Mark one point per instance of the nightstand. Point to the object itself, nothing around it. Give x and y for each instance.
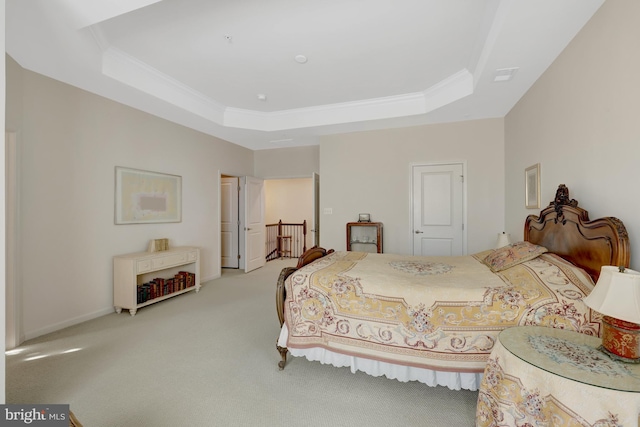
(546, 376)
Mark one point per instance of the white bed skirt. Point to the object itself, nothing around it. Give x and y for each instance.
(453, 380)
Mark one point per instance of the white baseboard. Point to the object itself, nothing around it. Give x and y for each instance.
(70, 322)
(65, 324)
(206, 279)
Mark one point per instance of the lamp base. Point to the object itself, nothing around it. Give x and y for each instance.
(621, 339)
(616, 357)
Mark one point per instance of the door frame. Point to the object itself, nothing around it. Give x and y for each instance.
(315, 227)
(464, 198)
(14, 335)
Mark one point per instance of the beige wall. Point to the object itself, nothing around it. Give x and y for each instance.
(581, 122)
(289, 184)
(69, 144)
(289, 200)
(370, 172)
(294, 162)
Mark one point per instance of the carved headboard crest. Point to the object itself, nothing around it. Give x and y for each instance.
(566, 230)
(619, 226)
(562, 199)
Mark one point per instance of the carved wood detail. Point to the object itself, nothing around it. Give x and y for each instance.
(566, 230)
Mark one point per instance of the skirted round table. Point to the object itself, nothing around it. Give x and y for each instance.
(538, 376)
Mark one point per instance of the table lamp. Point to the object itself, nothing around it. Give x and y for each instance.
(617, 297)
(503, 240)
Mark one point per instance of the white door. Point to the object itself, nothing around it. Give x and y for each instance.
(438, 227)
(229, 222)
(254, 224)
(315, 227)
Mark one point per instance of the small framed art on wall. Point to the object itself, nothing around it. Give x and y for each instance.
(532, 186)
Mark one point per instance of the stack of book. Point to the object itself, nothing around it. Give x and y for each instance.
(160, 287)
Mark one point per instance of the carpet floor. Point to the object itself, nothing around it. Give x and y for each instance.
(209, 359)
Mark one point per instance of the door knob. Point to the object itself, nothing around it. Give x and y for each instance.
(419, 232)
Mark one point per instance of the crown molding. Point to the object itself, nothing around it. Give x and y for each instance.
(130, 71)
(139, 75)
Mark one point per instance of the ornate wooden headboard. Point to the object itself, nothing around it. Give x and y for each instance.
(565, 229)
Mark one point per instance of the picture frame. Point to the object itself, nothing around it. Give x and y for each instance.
(532, 186)
(147, 197)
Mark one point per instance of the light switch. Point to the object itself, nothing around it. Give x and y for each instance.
(328, 211)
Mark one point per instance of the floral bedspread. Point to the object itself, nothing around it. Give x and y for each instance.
(440, 313)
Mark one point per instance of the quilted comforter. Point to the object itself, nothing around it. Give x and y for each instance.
(440, 313)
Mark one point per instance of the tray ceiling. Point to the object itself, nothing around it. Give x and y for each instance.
(269, 74)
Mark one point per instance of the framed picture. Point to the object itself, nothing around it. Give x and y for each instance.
(532, 186)
(147, 197)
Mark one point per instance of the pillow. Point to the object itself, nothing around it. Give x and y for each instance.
(480, 256)
(513, 254)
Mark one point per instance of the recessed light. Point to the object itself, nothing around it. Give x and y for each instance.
(504, 74)
(301, 59)
(262, 97)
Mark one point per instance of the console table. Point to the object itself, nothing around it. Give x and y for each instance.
(545, 376)
(130, 271)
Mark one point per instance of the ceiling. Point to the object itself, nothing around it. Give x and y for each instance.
(236, 69)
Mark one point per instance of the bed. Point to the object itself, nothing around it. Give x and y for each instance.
(436, 319)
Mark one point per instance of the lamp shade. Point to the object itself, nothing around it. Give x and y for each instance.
(617, 294)
(503, 240)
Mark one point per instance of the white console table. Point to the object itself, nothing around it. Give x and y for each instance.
(133, 270)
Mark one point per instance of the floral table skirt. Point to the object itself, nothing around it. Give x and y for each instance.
(516, 393)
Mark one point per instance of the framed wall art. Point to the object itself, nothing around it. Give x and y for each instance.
(532, 186)
(147, 197)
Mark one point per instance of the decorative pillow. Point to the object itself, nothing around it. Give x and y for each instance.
(512, 254)
(480, 256)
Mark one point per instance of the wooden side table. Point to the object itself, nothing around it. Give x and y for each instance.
(364, 237)
(545, 376)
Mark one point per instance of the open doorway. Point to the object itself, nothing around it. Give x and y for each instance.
(289, 202)
(287, 199)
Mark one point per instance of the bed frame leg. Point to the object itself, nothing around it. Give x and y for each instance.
(281, 295)
(283, 354)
